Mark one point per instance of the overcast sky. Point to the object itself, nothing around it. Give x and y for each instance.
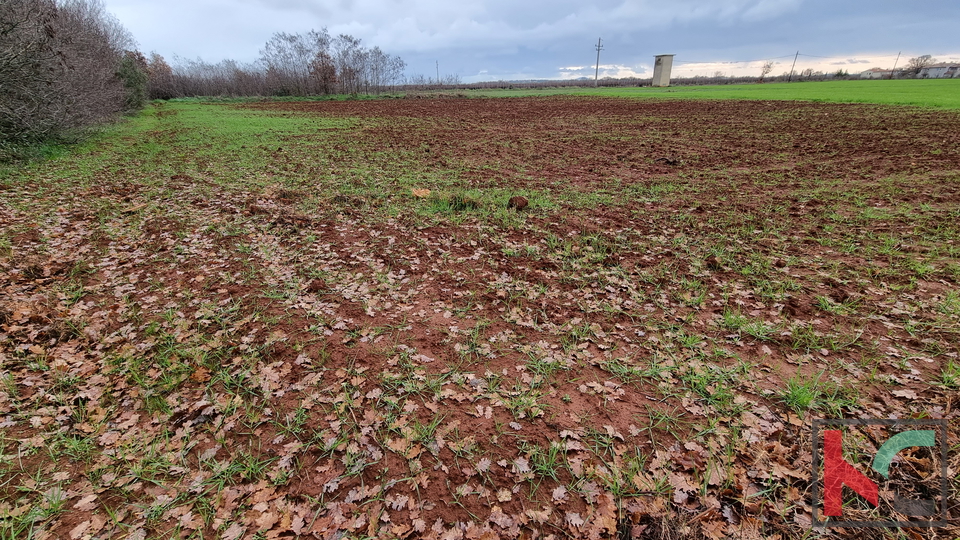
(511, 39)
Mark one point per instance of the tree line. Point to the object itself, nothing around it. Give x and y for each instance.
(64, 65)
(312, 63)
(67, 65)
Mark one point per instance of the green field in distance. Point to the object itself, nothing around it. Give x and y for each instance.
(933, 93)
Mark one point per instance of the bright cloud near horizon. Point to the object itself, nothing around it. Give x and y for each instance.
(508, 40)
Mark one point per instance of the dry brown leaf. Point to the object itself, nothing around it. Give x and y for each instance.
(267, 520)
(540, 516)
(233, 532)
(714, 529)
(573, 519)
(497, 517)
(81, 528)
(397, 445)
(605, 518)
(201, 374)
(87, 503)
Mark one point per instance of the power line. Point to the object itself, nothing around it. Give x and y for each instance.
(731, 63)
(795, 55)
(735, 61)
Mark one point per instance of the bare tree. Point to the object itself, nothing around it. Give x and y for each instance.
(382, 70)
(289, 64)
(324, 72)
(419, 81)
(914, 65)
(766, 69)
(349, 58)
(288, 58)
(397, 67)
(160, 80)
(225, 78)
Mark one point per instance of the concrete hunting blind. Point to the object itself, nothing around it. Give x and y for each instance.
(661, 69)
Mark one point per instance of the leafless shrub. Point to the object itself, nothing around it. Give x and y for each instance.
(59, 68)
(28, 77)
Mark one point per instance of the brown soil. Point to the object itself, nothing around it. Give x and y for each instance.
(587, 141)
(349, 301)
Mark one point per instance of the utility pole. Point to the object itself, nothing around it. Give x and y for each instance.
(438, 73)
(789, 79)
(596, 76)
(894, 70)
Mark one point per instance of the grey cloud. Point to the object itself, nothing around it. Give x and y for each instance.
(503, 38)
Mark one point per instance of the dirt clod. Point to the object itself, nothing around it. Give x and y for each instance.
(518, 202)
(667, 160)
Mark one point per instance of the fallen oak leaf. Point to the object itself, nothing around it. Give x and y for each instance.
(397, 445)
(401, 531)
(573, 519)
(78, 531)
(267, 520)
(540, 516)
(87, 503)
(714, 529)
(233, 532)
(605, 518)
(500, 519)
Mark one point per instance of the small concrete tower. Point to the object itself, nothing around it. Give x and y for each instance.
(661, 69)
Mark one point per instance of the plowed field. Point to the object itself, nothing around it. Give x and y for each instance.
(320, 319)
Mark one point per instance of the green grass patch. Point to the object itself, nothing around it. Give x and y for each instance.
(932, 93)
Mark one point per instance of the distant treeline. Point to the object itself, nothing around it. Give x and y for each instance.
(628, 81)
(64, 65)
(289, 65)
